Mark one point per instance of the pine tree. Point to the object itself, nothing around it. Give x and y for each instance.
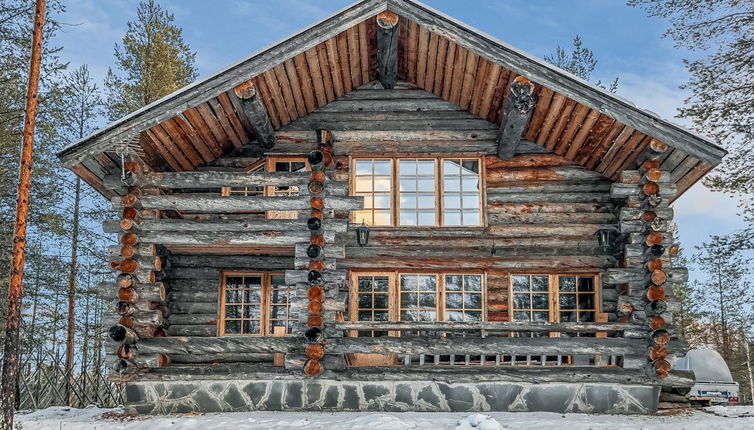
(153, 60)
(580, 61)
(80, 110)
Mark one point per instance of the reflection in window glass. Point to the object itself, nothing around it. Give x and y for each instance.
(461, 192)
(463, 298)
(372, 301)
(280, 304)
(417, 192)
(418, 298)
(531, 298)
(372, 180)
(243, 305)
(576, 298)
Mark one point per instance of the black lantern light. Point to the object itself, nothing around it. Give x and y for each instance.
(362, 235)
(608, 237)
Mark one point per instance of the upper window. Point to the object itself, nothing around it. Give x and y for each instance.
(418, 191)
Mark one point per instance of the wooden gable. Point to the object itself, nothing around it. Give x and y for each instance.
(327, 61)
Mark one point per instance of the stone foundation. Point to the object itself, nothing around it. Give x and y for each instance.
(168, 397)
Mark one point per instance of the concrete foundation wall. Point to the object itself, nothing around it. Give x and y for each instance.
(429, 396)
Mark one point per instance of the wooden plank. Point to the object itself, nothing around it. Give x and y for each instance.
(268, 100)
(191, 138)
(233, 117)
(574, 123)
(479, 83)
(276, 96)
(469, 76)
(560, 124)
(429, 80)
(214, 179)
(450, 56)
(554, 110)
(412, 51)
(214, 126)
(690, 178)
(602, 147)
(335, 67)
(595, 126)
(170, 147)
(490, 87)
(315, 74)
(219, 113)
(363, 52)
(459, 66)
(166, 224)
(421, 57)
(291, 73)
(450, 326)
(288, 99)
(354, 59)
(235, 102)
(345, 66)
(325, 69)
(197, 123)
(442, 52)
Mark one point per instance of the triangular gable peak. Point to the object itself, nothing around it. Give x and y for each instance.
(572, 118)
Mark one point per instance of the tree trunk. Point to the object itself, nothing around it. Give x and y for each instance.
(72, 292)
(18, 254)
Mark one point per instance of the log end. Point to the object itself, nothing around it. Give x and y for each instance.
(387, 19)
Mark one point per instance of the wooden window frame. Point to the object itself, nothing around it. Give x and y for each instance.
(554, 293)
(394, 292)
(439, 191)
(265, 303)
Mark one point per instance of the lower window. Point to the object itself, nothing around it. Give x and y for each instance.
(255, 304)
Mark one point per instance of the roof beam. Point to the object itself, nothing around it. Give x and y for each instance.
(558, 80)
(517, 114)
(256, 113)
(387, 48)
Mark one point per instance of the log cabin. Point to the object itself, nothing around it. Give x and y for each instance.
(390, 210)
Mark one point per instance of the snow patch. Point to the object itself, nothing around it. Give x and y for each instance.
(479, 422)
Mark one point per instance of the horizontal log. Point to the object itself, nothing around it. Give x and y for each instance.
(447, 326)
(622, 191)
(561, 263)
(156, 292)
(402, 345)
(189, 225)
(211, 203)
(231, 238)
(584, 197)
(293, 277)
(210, 179)
(629, 214)
(221, 358)
(456, 374)
(193, 308)
(208, 262)
(192, 330)
(193, 319)
(635, 177)
(625, 275)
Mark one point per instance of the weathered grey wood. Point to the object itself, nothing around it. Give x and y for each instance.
(213, 203)
(520, 104)
(293, 277)
(215, 263)
(230, 238)
(457, 374)
(221, 358)
(622, 191)
(210, 179)
(627, 214)
(387, 50)
(446, 326)
(191, 330)
(256, 113)
(126, 128)
(189, 225)
(402, 345)
(153, 292)
(626, 275)
(193, 307)
(550, 76)
(193, 319)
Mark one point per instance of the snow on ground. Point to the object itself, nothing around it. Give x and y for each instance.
(60, 418)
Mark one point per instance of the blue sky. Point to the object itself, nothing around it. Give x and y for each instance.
(627, 44)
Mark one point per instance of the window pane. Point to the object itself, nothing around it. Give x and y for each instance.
(408, 201)
(427, 300)
(427, 283)
(425, 167)
(522, 301)
(567, 301)
(453, 316)
(452, 183)
(470, 166)
(453, 218)
(471, 217)
(470, 183)
(454, 300)
(586, 301)
(540, 301)
(232, 311)
(407, 167)
(568, 316)
(365, 283)
(453, 282)
(539, 283)
(232, 296)
(408, 282)
(381, 283)
(427, 315)
(408, 183)
(382, 167)
(473, 282)
(252, 312)
(233, 327)
(426, 217)
(365, 300)
(567, 283)
(473, 316)
(365, 315)
(251, 327)
(452, 201)
(586, 284)
(253, 296)
(426, 185)
(426, 201)
(451, 167)
(381, 201)
(278, 312)
(521, 316)
(473, 301)
(380, 301)
(586, 316)
(381, 183)
(540, 316)
(409, 300)
(381, 218)
(409, 316)
(363, 184)
(363, 167)
(520, 283)
(470, 200)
